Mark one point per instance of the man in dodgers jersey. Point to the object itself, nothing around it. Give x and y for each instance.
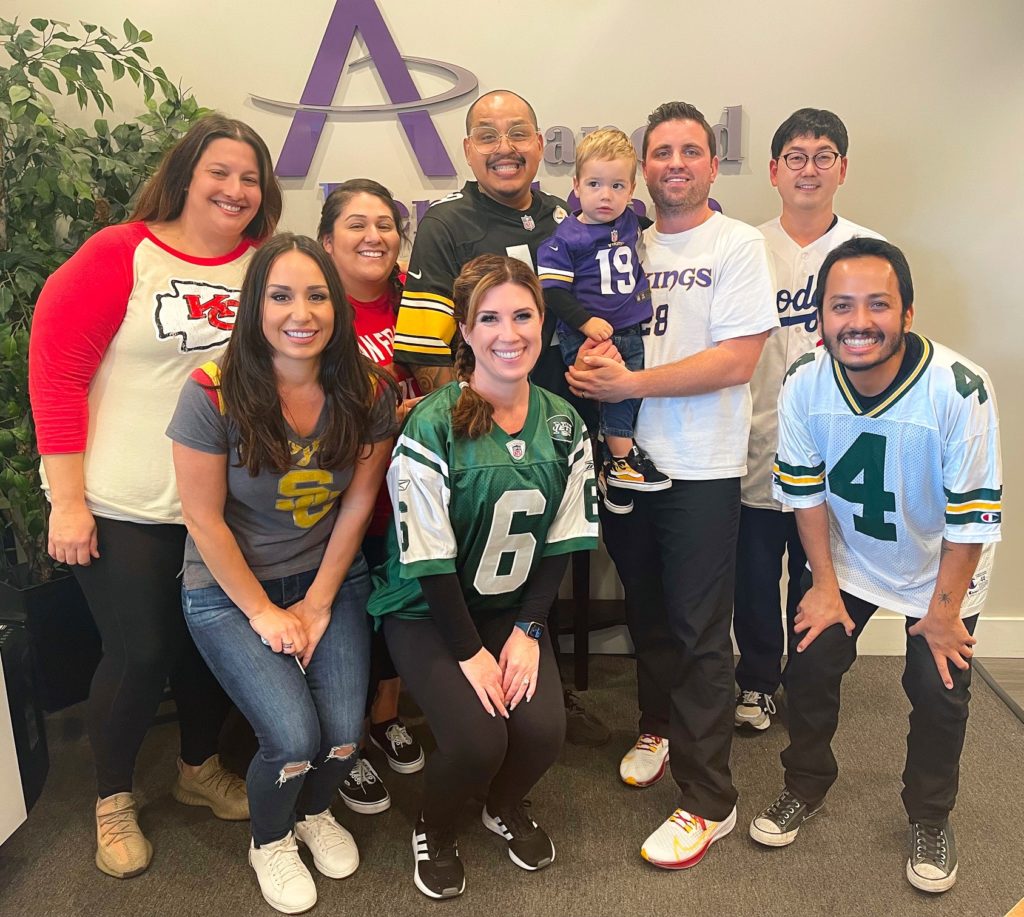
(889, 453)
(807, 167)
(712, 299)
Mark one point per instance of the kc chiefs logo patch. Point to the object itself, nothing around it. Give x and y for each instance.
(201, 314)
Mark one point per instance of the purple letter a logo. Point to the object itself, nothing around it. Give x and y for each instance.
(311, 113)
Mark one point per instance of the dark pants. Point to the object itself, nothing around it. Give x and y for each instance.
(135, 598)
(381, 666)
(938, 718)
(765, 535)
(477, 755)
(675, 554)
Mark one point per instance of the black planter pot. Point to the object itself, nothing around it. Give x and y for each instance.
(64, 638)
(27, 723)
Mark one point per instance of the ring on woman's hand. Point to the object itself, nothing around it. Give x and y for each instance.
(287, 646)
(526, 680)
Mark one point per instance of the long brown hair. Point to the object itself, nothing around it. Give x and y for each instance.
(163, 197)
(472, 416)
(336, 202)
(351, 383)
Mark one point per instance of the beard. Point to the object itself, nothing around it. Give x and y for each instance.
(892, 345)
(694, 196)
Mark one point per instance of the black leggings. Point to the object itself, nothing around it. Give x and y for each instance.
(477, 754)
(134, 595)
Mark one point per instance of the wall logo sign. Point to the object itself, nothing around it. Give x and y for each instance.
(311, 112)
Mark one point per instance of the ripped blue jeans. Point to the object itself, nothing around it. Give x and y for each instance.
(307, 725)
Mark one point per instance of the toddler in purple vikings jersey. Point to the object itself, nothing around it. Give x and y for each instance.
(593, 282)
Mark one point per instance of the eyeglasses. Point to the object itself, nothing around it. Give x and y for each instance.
(823, 160)
(487, 140)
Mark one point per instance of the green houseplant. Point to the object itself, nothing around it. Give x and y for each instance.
(59, 183)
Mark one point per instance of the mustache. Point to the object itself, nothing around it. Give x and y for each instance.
(506, 157)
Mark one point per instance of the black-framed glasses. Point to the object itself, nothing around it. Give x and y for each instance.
(487, 140)
(823, 160)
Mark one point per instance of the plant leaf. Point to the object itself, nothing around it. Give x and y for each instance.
(49, 79)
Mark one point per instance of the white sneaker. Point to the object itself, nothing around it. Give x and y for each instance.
(684, 838)
(334, 850)
(645, 762)
(284, 880)
(754, 709)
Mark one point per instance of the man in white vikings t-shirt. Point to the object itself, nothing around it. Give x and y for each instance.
(713, 308)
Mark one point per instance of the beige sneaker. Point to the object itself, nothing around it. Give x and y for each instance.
(213, 786)
(122, 851)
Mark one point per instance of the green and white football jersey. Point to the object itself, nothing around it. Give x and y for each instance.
(899, 475)
(487, 509)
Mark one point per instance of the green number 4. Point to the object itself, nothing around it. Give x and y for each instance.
(967, 382)
(866, 459)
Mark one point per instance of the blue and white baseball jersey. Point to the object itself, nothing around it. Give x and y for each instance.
(900, 473)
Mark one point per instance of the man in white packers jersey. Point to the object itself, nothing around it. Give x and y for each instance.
(807, 167)
(889, 453)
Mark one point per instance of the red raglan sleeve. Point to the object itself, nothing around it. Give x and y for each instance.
(78, 313)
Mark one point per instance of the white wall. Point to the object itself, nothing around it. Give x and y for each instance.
(932, 92)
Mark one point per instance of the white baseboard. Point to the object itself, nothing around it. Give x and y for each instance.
(884, 636)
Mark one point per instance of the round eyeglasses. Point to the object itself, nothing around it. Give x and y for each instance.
(487, 140)
(823, 160)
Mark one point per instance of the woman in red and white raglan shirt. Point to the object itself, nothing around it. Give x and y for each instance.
(117, 330)
(361, 229)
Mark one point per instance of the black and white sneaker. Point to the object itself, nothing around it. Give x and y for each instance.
(778, 825)
(528, 845)
(933, 862)
(363, 791)
(403, 752)
(615, 499)
(754, 709)
(438, 872)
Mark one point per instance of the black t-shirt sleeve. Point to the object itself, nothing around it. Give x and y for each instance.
(450, 613)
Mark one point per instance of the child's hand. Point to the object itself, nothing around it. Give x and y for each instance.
(597, 329)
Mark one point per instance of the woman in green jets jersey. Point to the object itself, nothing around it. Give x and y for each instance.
(493, 485)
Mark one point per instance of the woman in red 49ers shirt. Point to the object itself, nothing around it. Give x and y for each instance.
(361, 229)
(117, 330)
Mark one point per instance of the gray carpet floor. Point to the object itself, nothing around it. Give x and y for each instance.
(847, 861)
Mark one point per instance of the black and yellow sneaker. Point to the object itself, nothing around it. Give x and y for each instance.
(635, 471)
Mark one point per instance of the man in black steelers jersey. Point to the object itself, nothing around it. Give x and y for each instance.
(498, 213)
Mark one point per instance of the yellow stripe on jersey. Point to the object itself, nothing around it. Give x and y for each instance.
(853, 399)
(427, 300)
(425, 324)
(978, 506)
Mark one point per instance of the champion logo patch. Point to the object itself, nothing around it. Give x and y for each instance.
(991, 517)
(517, 449)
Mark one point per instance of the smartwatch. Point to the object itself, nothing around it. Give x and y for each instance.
(531, 628)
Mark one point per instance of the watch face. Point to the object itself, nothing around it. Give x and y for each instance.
(535, 630)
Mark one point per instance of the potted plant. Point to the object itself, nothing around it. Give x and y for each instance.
(59, 183)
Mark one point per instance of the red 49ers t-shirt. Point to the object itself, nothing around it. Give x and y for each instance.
(375, 329)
